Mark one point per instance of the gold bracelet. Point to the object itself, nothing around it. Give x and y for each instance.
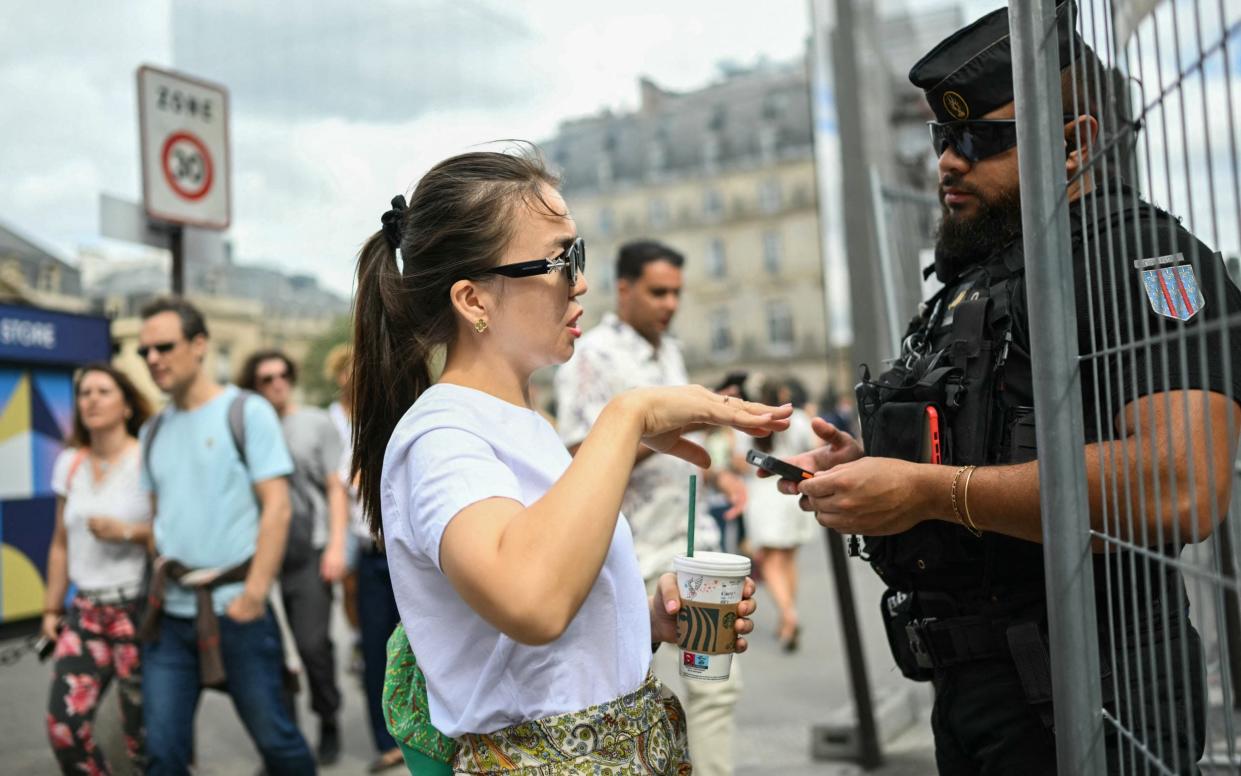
(965, 502)
(956, 509)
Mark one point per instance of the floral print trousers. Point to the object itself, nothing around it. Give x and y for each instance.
(639, 734)
(97, 644)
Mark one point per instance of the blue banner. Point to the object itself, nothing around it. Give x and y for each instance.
(31, 335)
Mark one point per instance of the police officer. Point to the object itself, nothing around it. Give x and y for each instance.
(954, 529)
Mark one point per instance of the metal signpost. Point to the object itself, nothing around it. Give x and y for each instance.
(185, 157)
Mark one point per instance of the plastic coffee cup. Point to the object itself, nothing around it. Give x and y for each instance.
(710, 584)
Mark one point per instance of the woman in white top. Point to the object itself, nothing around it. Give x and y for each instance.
(513, 570)
(103, 524)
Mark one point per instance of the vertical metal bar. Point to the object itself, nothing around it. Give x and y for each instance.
(887, 275)
(866, 296)
(176, 244)
(1168, 335)
(869, 754)
(1057, 390)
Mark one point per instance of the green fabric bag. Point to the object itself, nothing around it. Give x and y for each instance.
(427, 751)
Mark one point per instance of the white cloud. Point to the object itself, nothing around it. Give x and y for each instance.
(310, 180)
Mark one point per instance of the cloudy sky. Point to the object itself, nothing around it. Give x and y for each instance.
(336, 105)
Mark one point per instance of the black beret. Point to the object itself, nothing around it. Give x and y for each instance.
(970, 73)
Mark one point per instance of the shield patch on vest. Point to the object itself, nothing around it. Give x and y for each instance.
(1171, 286)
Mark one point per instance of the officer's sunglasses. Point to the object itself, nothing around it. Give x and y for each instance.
(163, 348)
(976, 139)
(572, 261)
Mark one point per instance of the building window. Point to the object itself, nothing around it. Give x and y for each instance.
(657, 213)
(771, 252)
(713, 204)
(717, 265)
(721, 334)
(779, 327)
(769, 196)
(607, 221)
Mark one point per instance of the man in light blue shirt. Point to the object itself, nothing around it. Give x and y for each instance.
(214, 510)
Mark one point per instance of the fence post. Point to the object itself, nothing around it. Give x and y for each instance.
(1057, 389)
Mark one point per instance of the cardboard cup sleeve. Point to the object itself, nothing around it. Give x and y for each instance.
(707, 629)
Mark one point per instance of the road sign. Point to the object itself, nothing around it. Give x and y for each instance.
(185, 155)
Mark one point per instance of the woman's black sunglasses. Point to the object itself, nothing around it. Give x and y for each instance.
(572, 261)
(977, 139)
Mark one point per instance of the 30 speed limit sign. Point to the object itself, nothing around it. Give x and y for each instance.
(184, 127)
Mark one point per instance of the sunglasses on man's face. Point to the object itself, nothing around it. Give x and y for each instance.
(572, 261)
(163, 348)
(269, 379)
(976, 139)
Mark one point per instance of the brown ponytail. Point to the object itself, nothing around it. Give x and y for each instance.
(457, 224)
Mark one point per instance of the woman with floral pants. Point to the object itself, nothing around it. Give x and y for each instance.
(98, 644)
(103, 524)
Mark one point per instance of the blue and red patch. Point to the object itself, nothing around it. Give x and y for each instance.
(1171, 286)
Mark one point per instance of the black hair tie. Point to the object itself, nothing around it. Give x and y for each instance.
(392, 222)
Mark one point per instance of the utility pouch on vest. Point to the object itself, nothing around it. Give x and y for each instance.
(897, 430)
(897, 612)
(1023, 445)
(970, 351)
(1033, 661)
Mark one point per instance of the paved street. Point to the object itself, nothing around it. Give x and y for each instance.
(785, 696)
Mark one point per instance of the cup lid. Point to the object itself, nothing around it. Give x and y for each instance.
(716, 564)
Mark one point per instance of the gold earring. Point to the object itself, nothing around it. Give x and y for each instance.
(480, 326)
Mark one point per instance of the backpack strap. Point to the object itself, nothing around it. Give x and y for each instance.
(237, 423)
(149, 441)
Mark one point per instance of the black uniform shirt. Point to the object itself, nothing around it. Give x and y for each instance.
(1150, 301)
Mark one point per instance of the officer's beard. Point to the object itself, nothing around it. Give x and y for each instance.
(964, 241)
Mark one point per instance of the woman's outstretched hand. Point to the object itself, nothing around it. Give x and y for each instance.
(666, 603)
(667, 414)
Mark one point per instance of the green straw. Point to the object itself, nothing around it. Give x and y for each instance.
(693, 493)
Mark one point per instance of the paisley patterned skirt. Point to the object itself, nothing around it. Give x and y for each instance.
(639, 734)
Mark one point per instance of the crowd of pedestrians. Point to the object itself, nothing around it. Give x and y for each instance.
(178, 529)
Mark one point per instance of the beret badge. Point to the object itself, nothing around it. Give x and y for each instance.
(956, 106)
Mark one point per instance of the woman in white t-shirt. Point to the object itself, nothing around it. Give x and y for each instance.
(514, 572)
(103, 524)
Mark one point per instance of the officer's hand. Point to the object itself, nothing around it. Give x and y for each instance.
(869, 496)
(838, 448)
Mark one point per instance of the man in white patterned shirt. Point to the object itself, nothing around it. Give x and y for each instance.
(630, 349)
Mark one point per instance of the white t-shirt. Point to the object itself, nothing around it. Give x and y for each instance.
(455, 447)
(357, 518)
(95, 564)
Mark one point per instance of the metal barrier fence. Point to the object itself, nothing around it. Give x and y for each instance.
(905, 220)
(1138, 430)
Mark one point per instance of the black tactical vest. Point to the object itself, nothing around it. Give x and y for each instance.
(964, 357)
(968, 354)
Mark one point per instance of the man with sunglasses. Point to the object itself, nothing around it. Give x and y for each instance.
(954, 528)
(221, 517)
(630, 349)
(314, 555)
